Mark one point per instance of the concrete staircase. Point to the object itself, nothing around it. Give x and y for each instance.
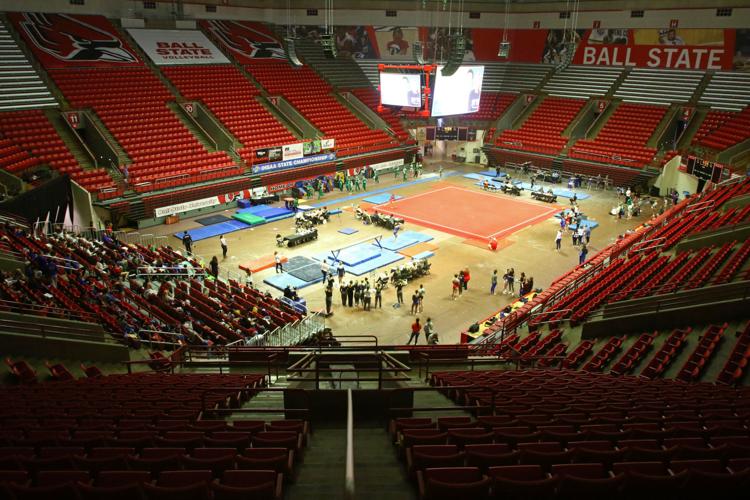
(341, 72)
(21, 87)
(73, 144)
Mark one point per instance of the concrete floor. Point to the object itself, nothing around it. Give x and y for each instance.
(530, 250)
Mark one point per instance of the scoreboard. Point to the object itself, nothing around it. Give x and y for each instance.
(705, 169)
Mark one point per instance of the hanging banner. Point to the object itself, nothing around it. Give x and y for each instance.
(175, 47)
(201, 203)
(327, 143)
(287, 164)
(387, 164)
(292, 151)
(246, 40)
(66, 40)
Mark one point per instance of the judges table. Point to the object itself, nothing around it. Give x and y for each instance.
(292, 240)
(549, 198)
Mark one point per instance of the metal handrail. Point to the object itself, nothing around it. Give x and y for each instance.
(475, 408)
(59, 312)
(254, 390)
(349, 493)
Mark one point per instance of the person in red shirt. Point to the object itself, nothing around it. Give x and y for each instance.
(415, 329)
(493, 244)
(467, 277)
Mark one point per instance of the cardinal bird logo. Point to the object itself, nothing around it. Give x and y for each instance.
(247, 41)
(70, 39)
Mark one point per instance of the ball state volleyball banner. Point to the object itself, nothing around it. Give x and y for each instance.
(176, 47)
(66, 40)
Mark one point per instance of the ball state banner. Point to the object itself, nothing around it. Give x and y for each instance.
(201, 203)
(175, 47)
(246, 40)
(667, 48)
(67, 40)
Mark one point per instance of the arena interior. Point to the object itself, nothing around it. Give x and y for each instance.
(427, 249)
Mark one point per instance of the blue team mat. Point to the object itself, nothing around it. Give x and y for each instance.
(394, 244)
(357, 254)
(416, 235)
(491, 173)
(381, 198)
(272, 212)
(253, 209)
(476, 177)
(585, 223)
(212, 219)
(243, 203)
(309, 274)
(385, 258)
(423, 255)
(348, 230)
(206, 232)
(335, 211)
(280, 281)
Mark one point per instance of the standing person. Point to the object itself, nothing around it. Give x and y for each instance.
(456, 287)
(492, 244)
(340, 272)
(248, 277)
(379, 295)
(324, 269)
(187, 240)
(350, 293)
(511, 281)
(224, 247)
(581, 232)
(366, 297)
(415, 329)
(493, 282)
(558, 239)
(588, 234)
(467, 277)
(277, 262)
(421, 293)
(396, 227)
(400, 292)
(214, 267)
(428, 329)
(582, 255)
(344, 290)
(329, 299)
(357, 293)
(415, 302)
(521, 284)
(574, 236)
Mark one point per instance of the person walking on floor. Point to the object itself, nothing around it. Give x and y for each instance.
(277, 262)
(467, 277)
(456, 287)
(511, 281)
(415, 329)
(366, 297)
(324, 269)
(415, 302)
(350, 293)
(429, 330)
(558, 239)
(344, 290)
(187, 240)
(493, 282)
(379, 296)
(421, 293)
(400, 292)
(582, 255)
(340, 272)
(329, 300)
(460, 282)
(214, 267)
(224, 247)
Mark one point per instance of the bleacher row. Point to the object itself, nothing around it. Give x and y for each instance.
(572, 434)
(216, 310)
(142, 434)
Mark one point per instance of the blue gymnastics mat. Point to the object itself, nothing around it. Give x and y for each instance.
(356, 254)
(280, 281)
(348, 230)
(386, 257)
(381, 198)
(212, 219)
(253, 209)
(476, 177)
(272, 212)
(335, 211)
(491, 173)
(585, 222)
(423, 255)
(298, 262)
(405, 239)
(206, 232)
(309, 274)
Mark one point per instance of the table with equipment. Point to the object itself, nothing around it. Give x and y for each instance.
(292, 240)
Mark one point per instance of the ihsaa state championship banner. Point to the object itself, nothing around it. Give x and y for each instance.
(173, 47)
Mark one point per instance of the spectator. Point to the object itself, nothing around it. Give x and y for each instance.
(415, 329)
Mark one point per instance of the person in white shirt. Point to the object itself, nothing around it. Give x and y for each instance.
(224, 247)
(324, 270)
(558, 239)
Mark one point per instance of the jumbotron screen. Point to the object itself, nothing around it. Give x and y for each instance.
(459, 93)
(401, 89)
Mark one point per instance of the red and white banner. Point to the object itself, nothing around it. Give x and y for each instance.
(175, 47)
(292, 151)
(66, 40)
(201, 203)
(246, 40)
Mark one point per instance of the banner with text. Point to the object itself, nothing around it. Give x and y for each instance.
(299, 162)
(175, 47)
(201, 203)
(292, 151)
